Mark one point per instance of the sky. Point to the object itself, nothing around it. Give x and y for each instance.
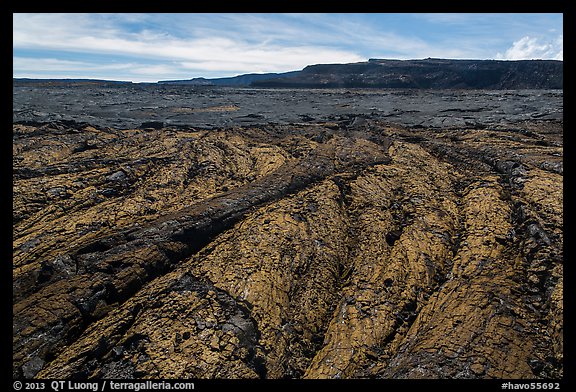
(153, 47)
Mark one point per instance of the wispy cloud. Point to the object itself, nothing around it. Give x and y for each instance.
(37, 67)
(210, 52)
(51, 64)
(92, 34)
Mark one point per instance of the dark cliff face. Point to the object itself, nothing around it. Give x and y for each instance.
(428, 74)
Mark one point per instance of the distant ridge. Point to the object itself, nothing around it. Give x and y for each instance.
(430, 73)
(66, 81)
(240, 80)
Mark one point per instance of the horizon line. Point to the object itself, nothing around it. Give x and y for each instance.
(371, 59)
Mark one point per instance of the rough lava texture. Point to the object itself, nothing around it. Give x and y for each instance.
(327, 250)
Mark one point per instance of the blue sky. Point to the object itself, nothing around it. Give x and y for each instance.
(152, 47)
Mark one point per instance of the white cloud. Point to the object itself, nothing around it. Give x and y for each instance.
(529, 48)
(269, 59)
(154, 70)
(34, 64)
(34, 67)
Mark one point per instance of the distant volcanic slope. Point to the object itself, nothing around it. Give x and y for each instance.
(433, 74)
(240, 80)
(427, 74)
